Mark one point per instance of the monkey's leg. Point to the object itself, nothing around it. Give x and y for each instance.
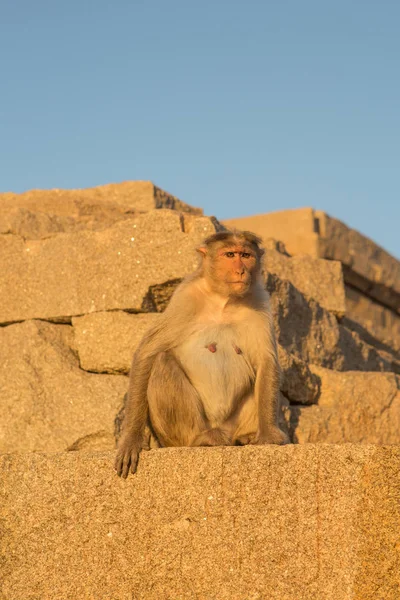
(268, 404)
(175, 408)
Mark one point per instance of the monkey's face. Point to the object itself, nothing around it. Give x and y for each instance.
(235, 269)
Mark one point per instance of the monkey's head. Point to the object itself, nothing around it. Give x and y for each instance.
(231, 261)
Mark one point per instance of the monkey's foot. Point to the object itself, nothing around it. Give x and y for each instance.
(212, 437)
(244, 440)
(273, 435)
(212, 347)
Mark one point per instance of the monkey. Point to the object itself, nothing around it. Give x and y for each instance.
(207, 374)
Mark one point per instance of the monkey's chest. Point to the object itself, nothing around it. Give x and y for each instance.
(217, 363)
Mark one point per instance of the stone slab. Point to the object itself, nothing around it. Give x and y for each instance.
(251, 523)
(313, 334)
(106, 341)
(318, 279)
(296, 228)
(47, 401)
(75, 274)
(37, 213)
(369, 267)
(353, 407)
(381, 322)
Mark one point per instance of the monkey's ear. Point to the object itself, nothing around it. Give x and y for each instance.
(202, 250)
(261, 252)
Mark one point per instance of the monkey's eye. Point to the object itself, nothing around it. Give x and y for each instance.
(230, 254)
(246, 254)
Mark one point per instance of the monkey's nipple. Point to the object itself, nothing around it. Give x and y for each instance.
(237, 349)
(212, 347)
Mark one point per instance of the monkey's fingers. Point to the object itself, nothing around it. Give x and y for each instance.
(122, 464)
(118, 464)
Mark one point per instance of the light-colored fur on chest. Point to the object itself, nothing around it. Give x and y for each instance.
(222, 378)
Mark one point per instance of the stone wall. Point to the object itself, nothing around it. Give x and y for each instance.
(84, 274)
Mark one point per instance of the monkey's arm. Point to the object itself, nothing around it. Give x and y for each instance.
(164, 336)
(136, 409)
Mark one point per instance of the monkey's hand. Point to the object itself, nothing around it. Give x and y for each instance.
(273, 435)
(127, 457)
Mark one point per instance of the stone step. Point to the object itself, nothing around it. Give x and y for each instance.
(316, 522)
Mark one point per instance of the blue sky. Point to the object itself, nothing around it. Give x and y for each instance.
(237, 107)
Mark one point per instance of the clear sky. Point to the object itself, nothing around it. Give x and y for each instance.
(240, 107)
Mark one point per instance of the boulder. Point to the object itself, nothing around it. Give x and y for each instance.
(353, 407)
(367, 266)
(381, 322)
(299, 384)
(47, 401)
(320, 280)
(311, 521)
(296, 228)
(313, 334)
(74, 274)
(39, 213)
(106, 341)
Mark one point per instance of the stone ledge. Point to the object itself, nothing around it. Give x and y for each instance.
(313, 521)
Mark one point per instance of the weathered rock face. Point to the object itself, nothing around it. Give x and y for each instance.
(75, 274)
(353, 407)
(47, 401)
(381, 322)
(297, 229)
(40, 213)
(106, 341)
(314, 335)
(369, 267)
(317, 279)
(314, 521)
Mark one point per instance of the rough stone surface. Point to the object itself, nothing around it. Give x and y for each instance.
(369, 267)
(106, 341)
(47, 402)
(353, 407)
(295, 228)
(38, 213)
(382, 323)
(321, 280)
(74, 274)
(299, 522)
(299, 384)
(314, 335)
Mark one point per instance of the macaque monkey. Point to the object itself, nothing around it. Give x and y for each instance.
(208, 374)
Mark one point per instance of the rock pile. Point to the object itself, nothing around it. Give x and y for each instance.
(85, 273)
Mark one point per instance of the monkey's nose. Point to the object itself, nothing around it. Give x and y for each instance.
(240, 270)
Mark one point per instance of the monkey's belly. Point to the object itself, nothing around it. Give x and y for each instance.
(219, 370)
